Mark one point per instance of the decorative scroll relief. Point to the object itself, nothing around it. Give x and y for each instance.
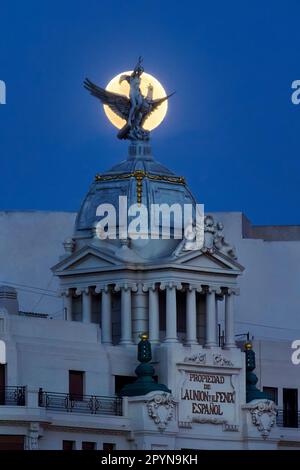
(196, 358)
(263, 415)
(161, 409)
(207, 398)
(222, 361)
(201, 358)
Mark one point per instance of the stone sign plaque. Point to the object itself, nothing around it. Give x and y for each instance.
(207, 397)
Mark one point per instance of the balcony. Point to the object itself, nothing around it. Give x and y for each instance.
(287, 419)
(12, 396)
(86, 404)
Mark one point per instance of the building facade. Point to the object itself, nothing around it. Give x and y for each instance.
(64, 369)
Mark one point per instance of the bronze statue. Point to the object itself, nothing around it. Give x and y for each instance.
(134, 109)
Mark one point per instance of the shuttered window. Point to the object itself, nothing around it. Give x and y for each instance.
(76, 384)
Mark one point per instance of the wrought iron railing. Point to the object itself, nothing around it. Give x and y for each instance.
(12, 396)
(288, 419)
(89, 404)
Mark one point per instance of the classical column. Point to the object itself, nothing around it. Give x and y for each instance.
(229, 320)
(211, 318)
(153, 315)
(86, 305)
(106, 320)
(217, 318)
(139, 312)
(126, 328)
(171, 314)
(67, 296)
(191, 322)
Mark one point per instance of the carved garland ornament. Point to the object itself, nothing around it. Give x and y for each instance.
(139, 175)
(161, 409)
(263, 416)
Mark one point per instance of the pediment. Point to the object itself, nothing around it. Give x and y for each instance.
(90, 261)
(85, 260)
(216, 261)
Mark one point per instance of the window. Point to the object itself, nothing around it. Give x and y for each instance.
(272, 393)
(88, 445)
(109, 446)
(76, 379)
(11, 442)
(68, 445)
(290, 407)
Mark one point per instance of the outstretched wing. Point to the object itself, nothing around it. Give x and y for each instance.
(119, 104)
(154, 104)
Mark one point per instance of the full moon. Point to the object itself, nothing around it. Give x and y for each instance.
(155, 118)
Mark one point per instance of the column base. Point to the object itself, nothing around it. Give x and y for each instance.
(211, 345)
(230, 346)
(106, 343)
(191, 343)
(125, 342)
(171, 340)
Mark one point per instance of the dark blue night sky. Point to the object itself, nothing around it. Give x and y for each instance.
(231, 129)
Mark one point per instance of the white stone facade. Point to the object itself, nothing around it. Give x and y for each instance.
(103, 296)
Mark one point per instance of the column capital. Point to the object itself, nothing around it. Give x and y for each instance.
(126, 286)
(102, 288)
(197, 288)
(213, 289)
(149, 286)
(170, 285)
(65, 292)
(82, 290)
(98, 289)
(233, 291)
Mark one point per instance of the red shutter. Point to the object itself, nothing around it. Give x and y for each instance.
(88, 445)
(68, 445)
(11, 442)
(76, 385)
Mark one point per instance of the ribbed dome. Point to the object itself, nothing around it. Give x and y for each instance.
(141, 178)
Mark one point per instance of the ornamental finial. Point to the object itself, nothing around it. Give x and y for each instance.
(145, 382)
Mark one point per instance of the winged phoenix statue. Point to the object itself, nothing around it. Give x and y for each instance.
(134, 109)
